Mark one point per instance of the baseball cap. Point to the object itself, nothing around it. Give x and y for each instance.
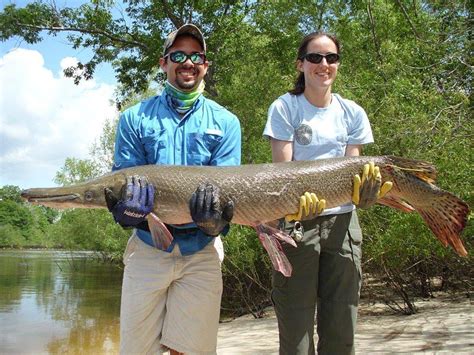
(185, 29)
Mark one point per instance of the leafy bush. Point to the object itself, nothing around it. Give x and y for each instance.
(84, 229)
(11, 236)
(246, 273)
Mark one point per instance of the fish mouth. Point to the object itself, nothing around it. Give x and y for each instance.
(38, 198)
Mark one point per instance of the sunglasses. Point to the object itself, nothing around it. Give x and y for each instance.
(181, 57)
(317, 58)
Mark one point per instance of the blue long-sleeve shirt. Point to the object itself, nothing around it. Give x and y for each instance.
(152, 132)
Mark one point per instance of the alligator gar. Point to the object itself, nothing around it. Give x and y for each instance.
(266, 192)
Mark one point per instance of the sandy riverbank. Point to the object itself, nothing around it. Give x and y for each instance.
(442, 325)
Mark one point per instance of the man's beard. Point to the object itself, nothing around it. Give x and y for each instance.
(187, 85)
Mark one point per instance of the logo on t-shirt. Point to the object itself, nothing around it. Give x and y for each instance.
(304, 134)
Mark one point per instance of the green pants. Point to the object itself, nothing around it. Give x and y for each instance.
(327, 276)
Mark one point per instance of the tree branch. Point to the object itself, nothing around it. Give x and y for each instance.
(88, 31)
(177, 22)
(374, 34)
(405, 14)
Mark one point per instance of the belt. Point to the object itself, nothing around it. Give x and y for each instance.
(181, 231)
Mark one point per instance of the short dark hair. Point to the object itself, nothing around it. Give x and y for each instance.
(302, 50)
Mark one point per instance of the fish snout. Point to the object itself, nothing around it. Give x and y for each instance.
(42, 196)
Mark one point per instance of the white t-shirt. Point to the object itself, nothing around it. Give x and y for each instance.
(318, 133)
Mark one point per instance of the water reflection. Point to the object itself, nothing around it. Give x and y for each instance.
(58, 302)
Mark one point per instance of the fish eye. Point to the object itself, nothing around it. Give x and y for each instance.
(88, 196)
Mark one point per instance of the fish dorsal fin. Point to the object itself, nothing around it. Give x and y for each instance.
(422, 170)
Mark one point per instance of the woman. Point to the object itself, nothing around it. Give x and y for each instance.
(307, 123)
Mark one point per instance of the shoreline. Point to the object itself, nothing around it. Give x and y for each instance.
(444, 324)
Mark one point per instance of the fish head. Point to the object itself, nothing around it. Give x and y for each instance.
(90, 194)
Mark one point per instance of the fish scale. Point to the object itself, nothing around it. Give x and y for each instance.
(265, 192)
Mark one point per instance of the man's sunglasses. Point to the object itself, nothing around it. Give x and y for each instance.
(317, 58)
(181, 57)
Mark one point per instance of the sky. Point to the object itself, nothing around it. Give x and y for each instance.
(44, 117)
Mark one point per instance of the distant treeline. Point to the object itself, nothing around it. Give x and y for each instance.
(23, 225)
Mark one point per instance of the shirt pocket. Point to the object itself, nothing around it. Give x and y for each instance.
(155, 147)
(200, 147)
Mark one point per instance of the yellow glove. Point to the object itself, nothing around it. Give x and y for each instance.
(310, 207)
(369, 189)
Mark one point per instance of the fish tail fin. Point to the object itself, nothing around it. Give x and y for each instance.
(423, 170)
(444, 213)
(447, 219)
(414, 190)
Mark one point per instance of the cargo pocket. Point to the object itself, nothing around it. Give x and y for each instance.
(354, 230)
(355, 240)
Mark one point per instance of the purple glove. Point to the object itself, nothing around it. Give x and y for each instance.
(136, 203)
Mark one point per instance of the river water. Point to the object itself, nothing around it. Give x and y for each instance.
(56, 302)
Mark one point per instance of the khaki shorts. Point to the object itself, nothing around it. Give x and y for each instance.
(170, 300)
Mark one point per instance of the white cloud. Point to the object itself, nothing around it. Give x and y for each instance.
(45, 118)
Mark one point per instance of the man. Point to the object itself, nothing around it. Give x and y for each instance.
(171, 298)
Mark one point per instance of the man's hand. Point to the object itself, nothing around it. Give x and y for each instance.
(136, 203)
(369, 189)
(310, 207)
(206, 210)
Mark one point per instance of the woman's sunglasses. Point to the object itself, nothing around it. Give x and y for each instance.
(181, 57)
(316, 58)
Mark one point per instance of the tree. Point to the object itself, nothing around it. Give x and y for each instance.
(10, 192)
(14, 214)
(408, 63)
(21, 224)
(76, 170)
(84, 229)
(130, 38)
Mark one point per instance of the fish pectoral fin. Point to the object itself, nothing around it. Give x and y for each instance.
(398, 204)
(161, 236)
(269, 237)
(275, 233)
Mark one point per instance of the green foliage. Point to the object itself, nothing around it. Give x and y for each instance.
(84, 229)
(407, 63)
(14, 214)
(102, 152)
(246, 272)
(76, 170)
(22, 225)
(131, 42)
(11, 236)
(10, 192)
(401, 251)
